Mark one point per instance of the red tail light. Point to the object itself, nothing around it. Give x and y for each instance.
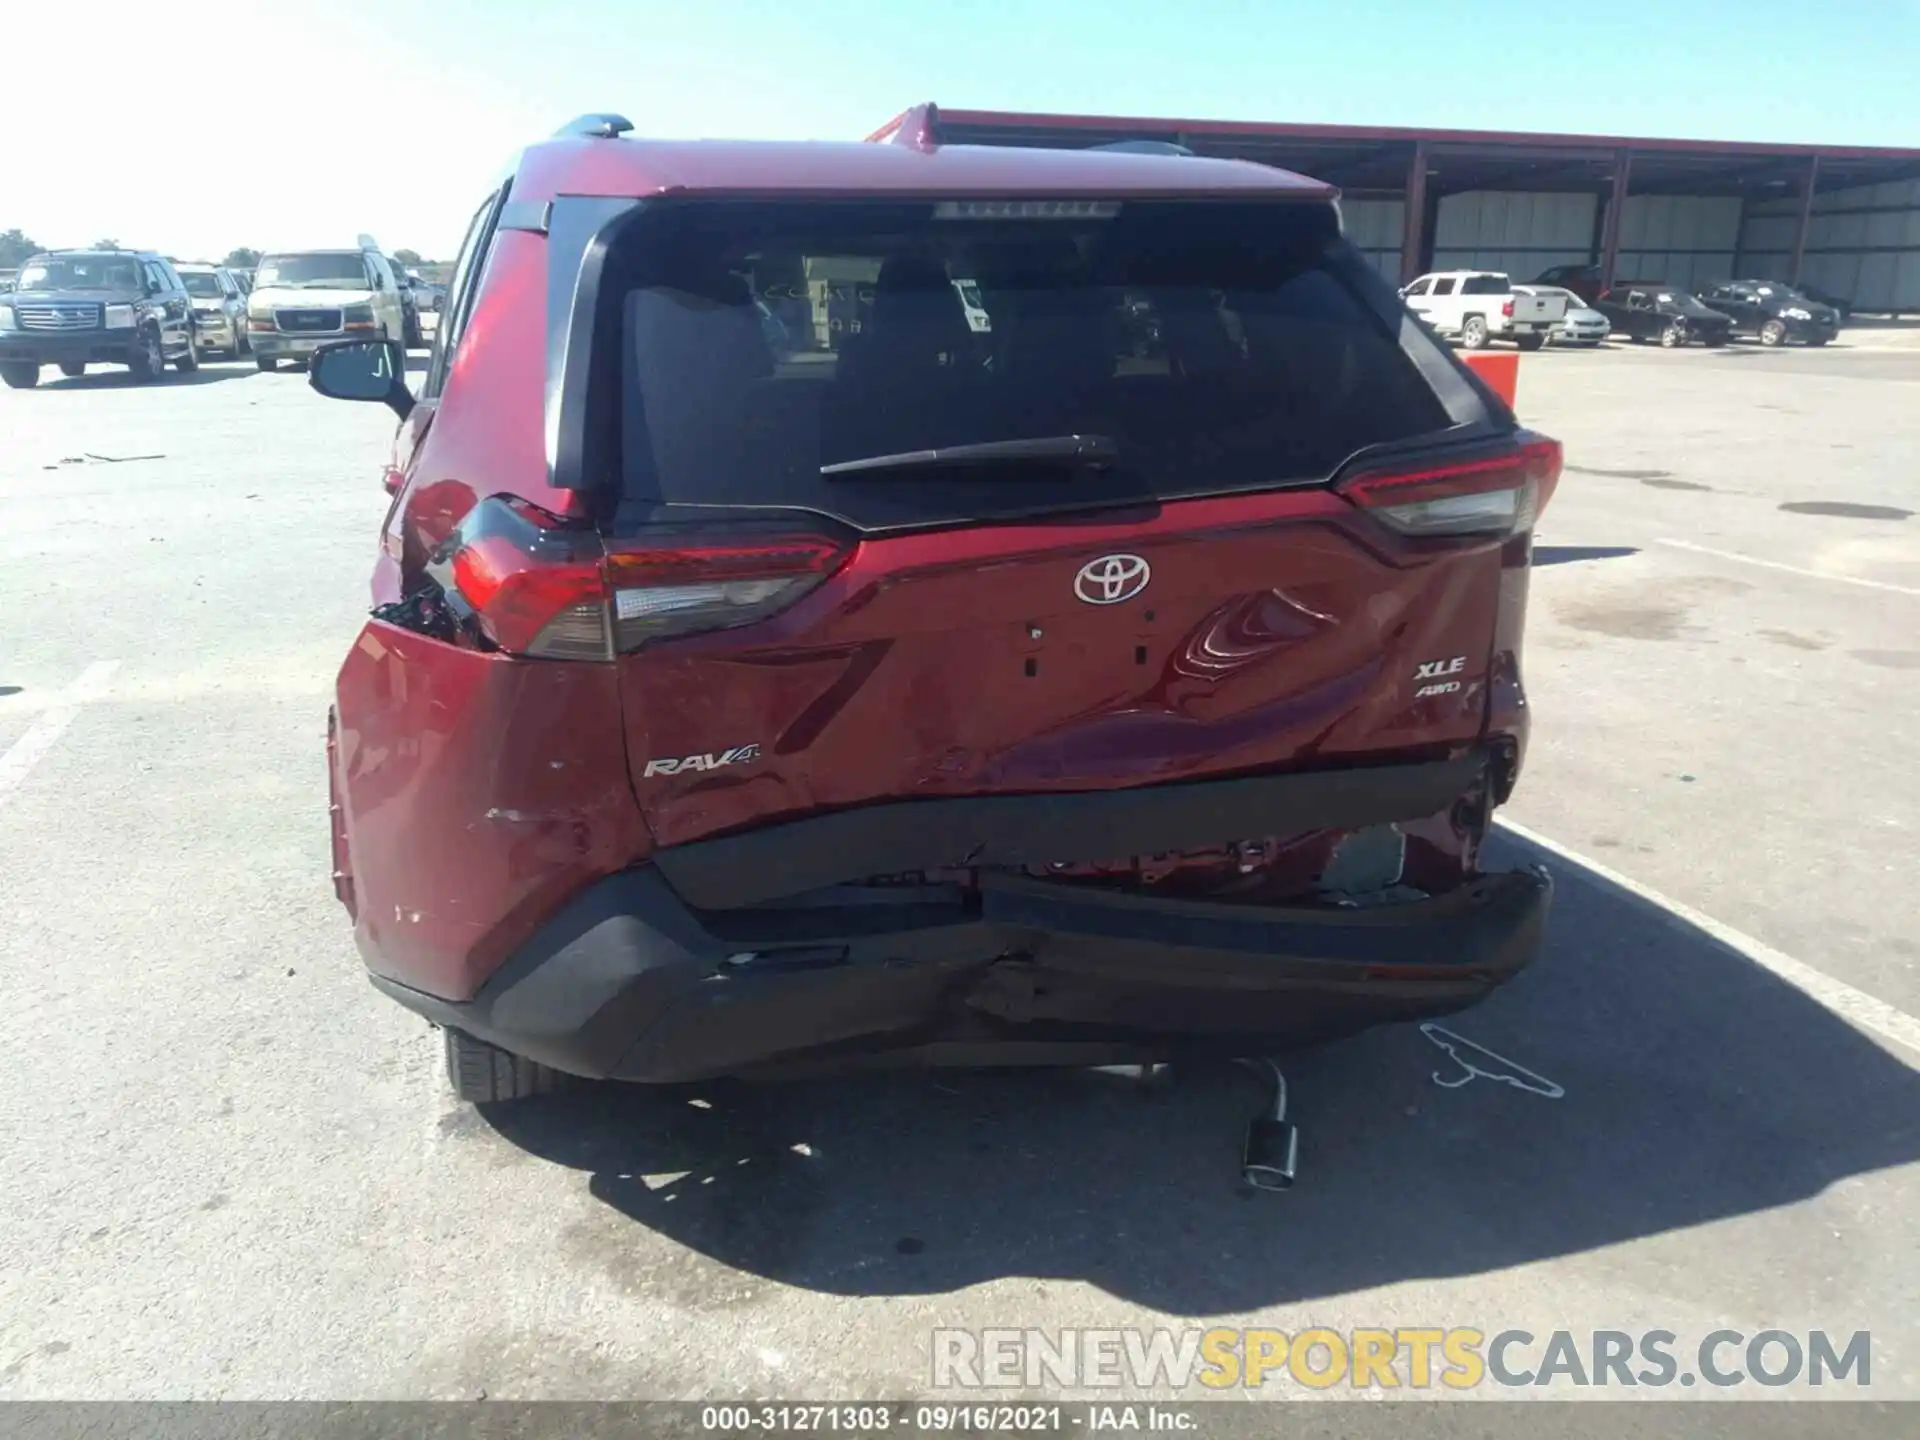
(1507, 309)
(692, 583)
(534, 586)
(1489, 495)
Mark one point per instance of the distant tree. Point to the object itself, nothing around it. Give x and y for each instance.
(241, 258)
(408, 257)
(106, 244)
(16, 248)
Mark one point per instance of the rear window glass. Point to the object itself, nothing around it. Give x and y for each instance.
(1216, 347)
(203, 283)
(1485, 285)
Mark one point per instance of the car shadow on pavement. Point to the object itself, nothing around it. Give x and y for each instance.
(1569, 554)
(1697, 1087)
(207, 374)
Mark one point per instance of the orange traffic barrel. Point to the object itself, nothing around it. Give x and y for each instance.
(1500, 369)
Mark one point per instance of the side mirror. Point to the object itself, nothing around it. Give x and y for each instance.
(363, 370)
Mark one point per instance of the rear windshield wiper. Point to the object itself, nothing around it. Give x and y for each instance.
(1091, 450)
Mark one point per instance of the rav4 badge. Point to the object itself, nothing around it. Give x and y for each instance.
(687, 764)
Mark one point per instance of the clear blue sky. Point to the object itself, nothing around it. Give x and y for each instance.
(397, 115)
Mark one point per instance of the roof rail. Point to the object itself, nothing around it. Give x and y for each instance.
(601, 125)
(1144, 147)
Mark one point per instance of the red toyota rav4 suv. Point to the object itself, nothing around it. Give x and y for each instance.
(882, 602)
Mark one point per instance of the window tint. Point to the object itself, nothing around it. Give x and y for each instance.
(1420, 286)
(1214, 345)
(1444, 286)
(1485, 285)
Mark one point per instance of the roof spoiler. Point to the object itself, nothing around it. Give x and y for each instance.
(600, 125)
(917, 128)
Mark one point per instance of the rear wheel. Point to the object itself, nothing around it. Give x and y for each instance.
(1820, 339)
(1774, 332)
(1473, 333)
(484, 1074)
(266, 362)
(73, 369)
(148, 361)
(20, 374)
(1530, 342)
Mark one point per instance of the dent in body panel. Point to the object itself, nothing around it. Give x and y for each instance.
(1020, 689)
(516, 769)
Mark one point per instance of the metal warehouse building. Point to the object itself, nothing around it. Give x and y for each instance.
(1845, 219)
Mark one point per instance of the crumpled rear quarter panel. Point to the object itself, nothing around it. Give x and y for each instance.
(477, 793)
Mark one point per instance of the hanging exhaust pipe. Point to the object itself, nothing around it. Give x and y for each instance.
(1271, 1158)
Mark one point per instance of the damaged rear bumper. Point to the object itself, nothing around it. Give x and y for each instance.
(629, 981)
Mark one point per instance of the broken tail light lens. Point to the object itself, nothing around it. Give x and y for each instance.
(1490, 495)
(535, 585)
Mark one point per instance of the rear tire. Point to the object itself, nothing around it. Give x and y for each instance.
(267, 363)
(1820, 339)
(20, 374)
(484, 1074)
(1473, 333)
(1530, 342)
(73, 369)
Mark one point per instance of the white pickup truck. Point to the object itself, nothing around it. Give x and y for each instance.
(1479, 306)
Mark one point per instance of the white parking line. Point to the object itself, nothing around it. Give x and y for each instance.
(1841, 998)
(25, 753)
(1790, 569)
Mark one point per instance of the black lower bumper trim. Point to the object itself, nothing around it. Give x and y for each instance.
(629, 982)
(1014, 830)
(56, 347)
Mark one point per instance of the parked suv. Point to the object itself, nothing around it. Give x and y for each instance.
(916, 690)
(73, 308)
(219, 307)
(301, 299)
(1775, 312)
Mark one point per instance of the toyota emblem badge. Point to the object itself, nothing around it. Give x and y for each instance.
(1111, 579)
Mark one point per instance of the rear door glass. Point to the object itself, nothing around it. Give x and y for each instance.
(1219, 346)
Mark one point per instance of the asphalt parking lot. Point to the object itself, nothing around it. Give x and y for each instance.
(234, 1171)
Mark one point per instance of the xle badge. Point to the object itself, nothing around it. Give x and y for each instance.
(687, 764)
(1432, 671)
